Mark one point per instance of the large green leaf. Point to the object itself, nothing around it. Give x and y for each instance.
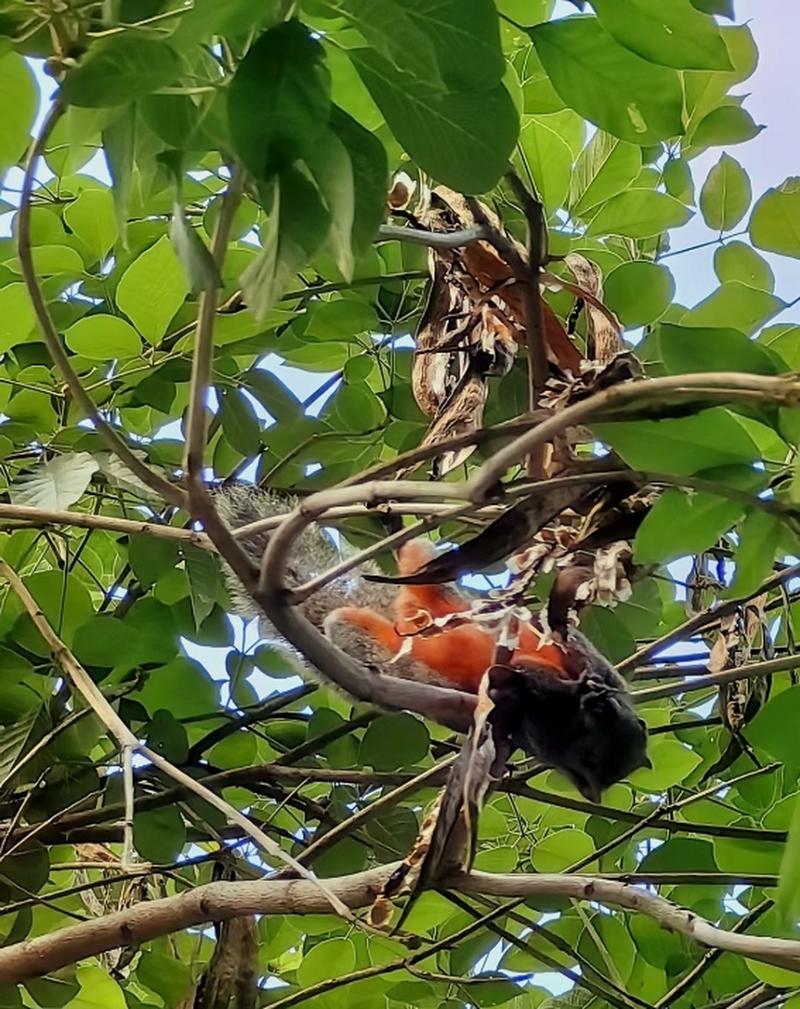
(774, 729)
(119, 69)
(445, 44)
(736, 305)
(639, 213)
(725, 195)
(604, 168)
(370, 178)
(18, 98)
(93, 219)
(739, 261)
(296, 228)
(463, 139)
(103, 338)
(687, 349)
(759, 537)
(726, 125)
(152, 290)
(681, 524)
(684, 445)
(788, 902)
(550, 162)
(639, 292)
(279, 99)
(674, 34)
(332, 168)
(775, 221)
(607, 83)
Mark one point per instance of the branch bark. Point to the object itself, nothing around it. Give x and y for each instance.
(221, 901)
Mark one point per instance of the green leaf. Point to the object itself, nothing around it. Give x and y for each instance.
(332, 169)
(739, 261)
(295, 229)
(165, 976)
(549, 159)
(759, 538)
(52, 260)
(151, 557)
(788, 902)
(678, 180)
(729, 124)
(683, 445)
(688, 349)
(283, 72)
(328, 959)
(57, 484)
(152, 290)
(167, 737)
(607, 84)
(463, 139)
(735, 305)
(394, 741)
(201, 271)
(119, 147)
(209, 17)
(17, 739)
(159, 834)
(605, 167)
(98, 990)
(370, 178)
(639, 292)
(775, 221)
(93, 219)
(559, 850)
(722, 7)
(680, 524)
(448, 45)
(119, 69)
(16, 316)
(639, 213)
(725, 195)
(239, 422)
(18, 96)
(672, 763)
(673, 34)
(103, 338)
(774, 729)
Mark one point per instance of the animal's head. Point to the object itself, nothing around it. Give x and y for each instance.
(586, 726)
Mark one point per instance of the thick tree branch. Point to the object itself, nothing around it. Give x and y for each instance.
(221, 901)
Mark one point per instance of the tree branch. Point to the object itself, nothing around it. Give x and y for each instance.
(434, 240)
(221, 901)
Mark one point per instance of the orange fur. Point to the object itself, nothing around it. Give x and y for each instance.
(460, 655)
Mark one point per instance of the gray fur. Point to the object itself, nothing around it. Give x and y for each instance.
(313, 553)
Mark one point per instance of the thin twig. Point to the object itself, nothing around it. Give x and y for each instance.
(433, 239)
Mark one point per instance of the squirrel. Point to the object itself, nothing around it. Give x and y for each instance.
(573, 712)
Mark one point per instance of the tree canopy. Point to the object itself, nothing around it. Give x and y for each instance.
(230, 229)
